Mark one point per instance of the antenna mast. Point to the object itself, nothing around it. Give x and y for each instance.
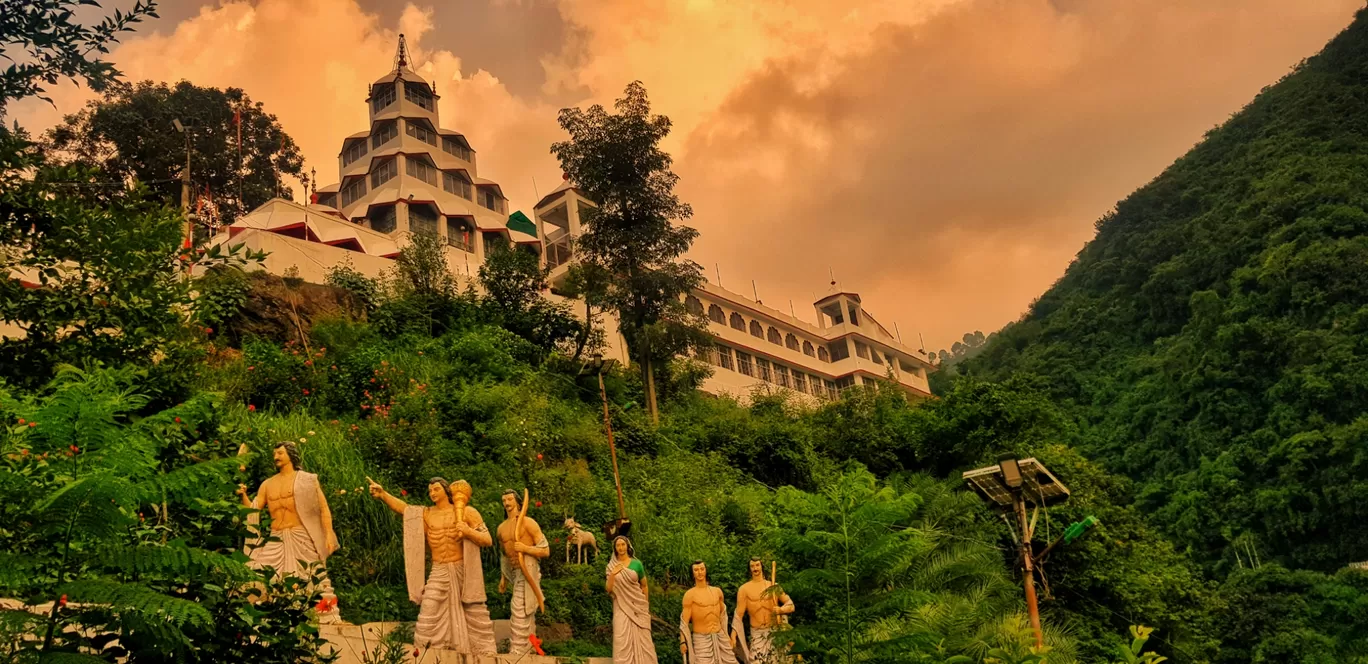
(401, 56)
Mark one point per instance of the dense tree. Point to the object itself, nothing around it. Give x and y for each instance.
(128, 133)
(615, 159)
(1210, 339)
(102, 277)
(514, 281)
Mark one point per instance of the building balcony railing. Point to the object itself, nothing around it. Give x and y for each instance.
(559, 252)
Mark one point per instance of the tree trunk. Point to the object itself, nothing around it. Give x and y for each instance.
(649, 375)
(588, 329)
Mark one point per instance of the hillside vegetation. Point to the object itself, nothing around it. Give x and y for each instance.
(1214, 336)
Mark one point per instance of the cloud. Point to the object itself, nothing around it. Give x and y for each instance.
(952, 169)
(310, 62)
(945, 158)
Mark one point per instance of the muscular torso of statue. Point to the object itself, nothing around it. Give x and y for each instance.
(506, 538)
(759, 607)
(706, 617)
(444, 539)
(280, 502)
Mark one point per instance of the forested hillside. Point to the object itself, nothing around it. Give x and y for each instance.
(1213, 337)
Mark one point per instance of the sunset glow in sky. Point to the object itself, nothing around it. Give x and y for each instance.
(944, 158)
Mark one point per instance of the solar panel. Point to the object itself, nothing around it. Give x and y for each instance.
(1038, 487)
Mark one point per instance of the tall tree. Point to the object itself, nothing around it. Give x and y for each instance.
(129, 133)
(51, 45)
(616, 160)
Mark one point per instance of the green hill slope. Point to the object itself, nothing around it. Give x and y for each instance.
(1213, 335)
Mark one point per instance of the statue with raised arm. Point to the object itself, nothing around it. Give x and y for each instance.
(451, 606)
(301, 525)
(523, 546)
(703, 637)
(632, 642)
(766, 604)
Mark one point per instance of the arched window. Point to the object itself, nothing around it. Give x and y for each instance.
(822, 354)
(807, 348)
(715, 315)
(737, 322)
(791, 342)
(775, 338)
(756, 330)
(693, 305)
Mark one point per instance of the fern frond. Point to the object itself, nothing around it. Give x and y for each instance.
(173, 561)
(190, 481)
(70, 658)
(16, 571)
(121, 597)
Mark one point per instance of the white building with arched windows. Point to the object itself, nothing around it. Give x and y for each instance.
(406, 175)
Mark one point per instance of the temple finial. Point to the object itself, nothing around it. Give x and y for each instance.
(401, 57)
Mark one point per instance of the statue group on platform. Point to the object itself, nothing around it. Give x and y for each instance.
(452, 611)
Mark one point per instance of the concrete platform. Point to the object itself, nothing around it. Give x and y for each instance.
(352, 643)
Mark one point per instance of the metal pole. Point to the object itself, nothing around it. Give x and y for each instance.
(185, 194)
(612, 449)
(1028, 568)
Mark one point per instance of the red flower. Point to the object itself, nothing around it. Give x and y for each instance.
(75, 450)
(538, 503)
(251, 408)
(22, 421)
(208, 330)
(403, 492)
(415, 652)
(326, 605)
(251, 368)
(177, 420)
(23, 452)
(62, 601)
(306, 391)
(308, 363)
(539, 457)
(536, 643)
(32, 424)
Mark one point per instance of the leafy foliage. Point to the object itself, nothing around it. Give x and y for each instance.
(513, 281)
(100, 275)
(79, 479)
(882, 583)
(52, 46)
(630, 234)
(128, 134)
(1209, 343)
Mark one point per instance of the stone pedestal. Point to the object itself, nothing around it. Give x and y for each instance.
(352, 642)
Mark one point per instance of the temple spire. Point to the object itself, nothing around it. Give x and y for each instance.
(401, 56)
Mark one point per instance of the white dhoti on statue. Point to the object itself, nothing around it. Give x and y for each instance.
(451, 605)
(713, 648)
(292, 551)
(522, 619)
(763, 649)
(444, 621)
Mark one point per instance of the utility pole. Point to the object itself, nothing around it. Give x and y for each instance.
(1028, 565)
(1010, 485)
(185, 186)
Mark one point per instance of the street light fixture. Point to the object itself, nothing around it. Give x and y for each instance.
(1011, 484)
(1011, 471)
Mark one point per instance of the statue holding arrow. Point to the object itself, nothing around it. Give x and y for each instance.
(523, 545)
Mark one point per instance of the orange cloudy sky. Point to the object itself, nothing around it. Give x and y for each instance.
(945, 158)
